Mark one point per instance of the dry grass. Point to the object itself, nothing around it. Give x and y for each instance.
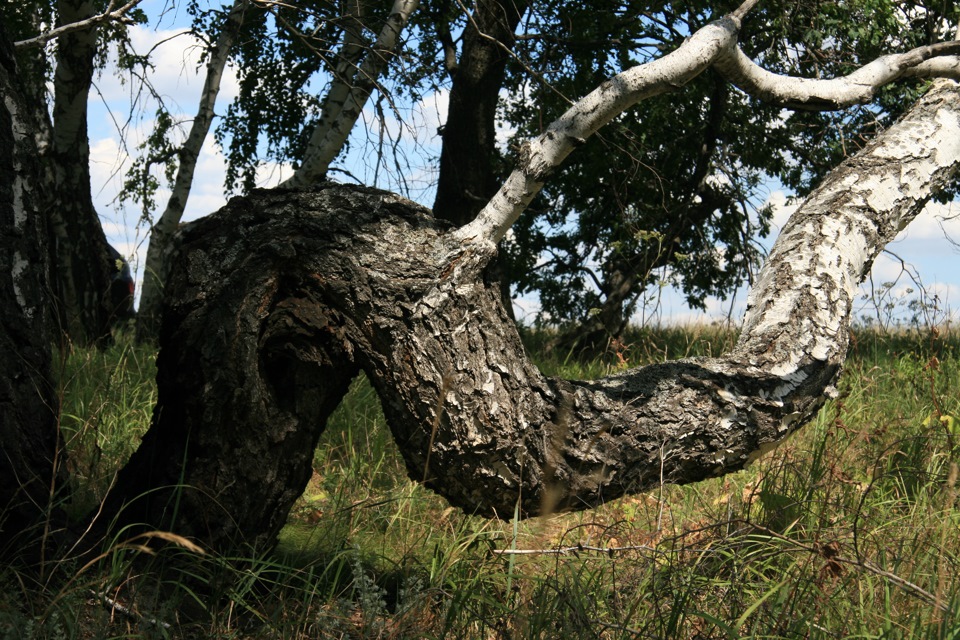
(847, 530)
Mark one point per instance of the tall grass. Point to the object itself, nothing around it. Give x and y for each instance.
(848, 530)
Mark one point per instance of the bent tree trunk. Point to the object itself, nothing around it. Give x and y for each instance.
(280, 298)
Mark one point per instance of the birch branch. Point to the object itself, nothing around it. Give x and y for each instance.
(326, 142)
(110, 14)
(540, 156)
(859, 87)
(714, 45)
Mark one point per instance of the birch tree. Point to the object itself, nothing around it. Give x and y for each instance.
(30, 467)
(162, 231)
(346, 97)
(271, 315)
(355, 74)
(82, 268)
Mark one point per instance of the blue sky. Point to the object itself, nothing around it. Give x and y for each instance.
(923, 245)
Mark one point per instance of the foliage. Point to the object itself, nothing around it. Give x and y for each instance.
(672, 191)
(847, 530)
(277, 58)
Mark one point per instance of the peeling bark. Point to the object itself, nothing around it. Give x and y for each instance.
(282, 296)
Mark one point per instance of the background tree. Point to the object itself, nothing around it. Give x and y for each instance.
(81, 262)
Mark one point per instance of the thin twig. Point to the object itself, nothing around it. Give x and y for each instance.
(574, 550)
(108, 15)
(917, 590)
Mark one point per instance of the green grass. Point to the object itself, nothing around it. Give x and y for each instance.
(850, 529)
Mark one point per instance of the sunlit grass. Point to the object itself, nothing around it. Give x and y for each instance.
(849, 529)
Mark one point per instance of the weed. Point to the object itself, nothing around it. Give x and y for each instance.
(848, 530)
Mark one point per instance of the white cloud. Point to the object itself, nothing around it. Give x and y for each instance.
(782, 209)
(933, 222)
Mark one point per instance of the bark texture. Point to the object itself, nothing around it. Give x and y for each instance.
(79, 246)
(29, 473)
(281, 297)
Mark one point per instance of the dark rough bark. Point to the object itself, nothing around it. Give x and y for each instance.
(281, 297)
(467, 178)
(78, 245)
(246, 382)
(29, 470)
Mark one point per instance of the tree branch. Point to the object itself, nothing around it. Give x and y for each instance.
(108, 15)
(540, 156)
(713, 45)
(856, 88)
(345, 73)
(326, 142)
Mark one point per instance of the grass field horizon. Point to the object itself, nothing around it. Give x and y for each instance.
(848, 530)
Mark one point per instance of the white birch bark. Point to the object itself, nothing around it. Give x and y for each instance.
(326, 142)
(856, 88)
(712, 46)
(802, 300)
(345, 74)
(540, 156)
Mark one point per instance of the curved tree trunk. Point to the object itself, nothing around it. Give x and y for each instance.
(281, 297)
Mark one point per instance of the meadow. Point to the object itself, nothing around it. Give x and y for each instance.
(850, 529)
